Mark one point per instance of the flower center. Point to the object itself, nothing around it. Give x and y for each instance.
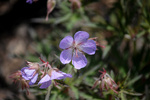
(75, 48)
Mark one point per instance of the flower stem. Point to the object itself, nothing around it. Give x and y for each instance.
(48, 92)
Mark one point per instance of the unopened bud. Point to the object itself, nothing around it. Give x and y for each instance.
(50, 6)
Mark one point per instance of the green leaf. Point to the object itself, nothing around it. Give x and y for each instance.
(54, 96)
(93, 69)
(87, 97)
(106, 50)
(126, 78)
(132, 93)
(123, 96)
(76, 92)
(132, 81)
(112, 74)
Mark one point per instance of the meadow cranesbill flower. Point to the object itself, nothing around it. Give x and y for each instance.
(74, 49)
(31, 72)
(106, 82)
(52, 74)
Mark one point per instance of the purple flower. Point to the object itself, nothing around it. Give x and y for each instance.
(29, 74)
(73, 49)
(52, 74)
(29, 1)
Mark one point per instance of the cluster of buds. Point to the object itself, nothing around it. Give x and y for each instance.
(105, 81)
(29, 75)
(17, 77)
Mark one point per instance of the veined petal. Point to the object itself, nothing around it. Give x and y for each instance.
(56, 75)
(46, 78)
(29, 72)
(25, 77)
(33, 80)
(81, 37)
(24, 74)
(79, 61)
(46, 84)
(22, 70)
(65, 56)
(88, 47)
(64, 75)
(66, 42)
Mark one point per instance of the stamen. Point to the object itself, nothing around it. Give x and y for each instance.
(76, 53)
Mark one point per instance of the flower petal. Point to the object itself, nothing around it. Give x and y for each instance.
(29, 72)
(65, 56)
(33, 80)
(67, 75)
(66, 42)
(79, 61)
(46, 84)
(30, 83)
(22, 70)
(46, 78)
(56, 75)
(64, 75)
(25, 77)
(88, 47)
(24, 74)
(81, 36)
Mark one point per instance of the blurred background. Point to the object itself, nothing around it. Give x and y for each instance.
(122, 26)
